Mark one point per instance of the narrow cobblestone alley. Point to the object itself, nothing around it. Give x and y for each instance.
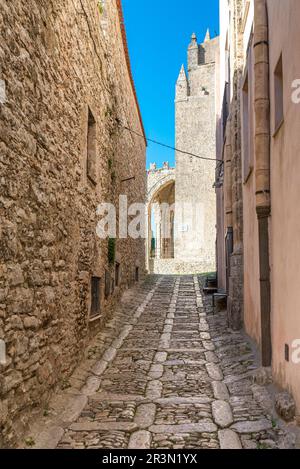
(149, 230)
(170, 375)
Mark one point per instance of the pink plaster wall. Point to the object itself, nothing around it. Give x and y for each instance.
(251, 262)
(285, 194)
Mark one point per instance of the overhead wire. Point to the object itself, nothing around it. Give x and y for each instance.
(156, 142)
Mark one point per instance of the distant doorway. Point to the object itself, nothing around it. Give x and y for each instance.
(161, 215)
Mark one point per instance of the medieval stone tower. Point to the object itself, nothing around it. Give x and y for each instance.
(193, 245)
(196, 133)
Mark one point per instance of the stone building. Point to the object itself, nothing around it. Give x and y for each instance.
(193, 217)
(228, 173)
(266, 127)
(66, 87)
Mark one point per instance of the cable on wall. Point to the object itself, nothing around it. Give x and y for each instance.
(156, 142)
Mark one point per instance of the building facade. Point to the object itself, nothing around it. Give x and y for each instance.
(228, 173)
(266, 125)
(66, 90)
(193, 217)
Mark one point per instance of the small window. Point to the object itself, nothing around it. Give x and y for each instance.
(278, 90)
(137, 274)
(91, 148)
(95, 296)
(117, 274)
(245, 130)
(107, 284)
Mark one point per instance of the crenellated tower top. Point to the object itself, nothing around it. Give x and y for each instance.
(198, 56)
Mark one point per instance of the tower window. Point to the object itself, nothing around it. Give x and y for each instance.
(91, 148)
(278, 90)
(95, 296)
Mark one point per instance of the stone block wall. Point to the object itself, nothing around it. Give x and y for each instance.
(236, 269)
(59, 62)
(174, 267)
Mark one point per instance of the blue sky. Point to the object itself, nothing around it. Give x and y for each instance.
(158, 33)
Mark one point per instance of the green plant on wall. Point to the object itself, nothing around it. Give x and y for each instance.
(100, 7)
(111, 250)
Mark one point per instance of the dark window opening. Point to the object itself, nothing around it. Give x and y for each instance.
(225, 109)
(112, 285)
(246, 129)
(91, 148)
(95, 296)
(287, 352)
(137, 274)
(107, 284)
(278, 89)
(117, 274)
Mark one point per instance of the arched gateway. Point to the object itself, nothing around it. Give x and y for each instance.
(160, 218)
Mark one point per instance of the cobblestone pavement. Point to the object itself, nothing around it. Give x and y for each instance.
(164, 373)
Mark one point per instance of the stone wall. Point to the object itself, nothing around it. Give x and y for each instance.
(229, 148)
(235, 300)
(174, 267)
(60, 61)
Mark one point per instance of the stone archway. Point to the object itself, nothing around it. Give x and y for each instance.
(160, 215)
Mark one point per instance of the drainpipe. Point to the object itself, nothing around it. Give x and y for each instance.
(228, 202)
(262, 171)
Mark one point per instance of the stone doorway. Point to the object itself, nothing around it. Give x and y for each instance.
(161, 215)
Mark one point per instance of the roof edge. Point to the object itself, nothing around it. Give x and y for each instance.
(126, 50)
